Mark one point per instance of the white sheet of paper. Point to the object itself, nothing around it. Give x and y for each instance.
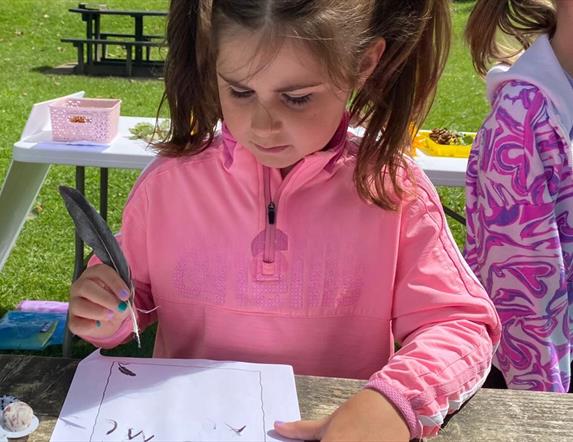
(176, 400)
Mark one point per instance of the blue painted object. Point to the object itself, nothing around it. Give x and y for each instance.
(31, 330)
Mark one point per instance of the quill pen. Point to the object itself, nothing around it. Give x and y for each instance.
(94, 231)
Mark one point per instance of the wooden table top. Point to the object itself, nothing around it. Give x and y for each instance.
(491, 415)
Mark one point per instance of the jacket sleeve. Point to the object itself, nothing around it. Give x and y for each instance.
(442, 318)
(132, 239)
(516, 236)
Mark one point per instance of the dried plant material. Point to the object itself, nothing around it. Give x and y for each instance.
(149, 132)
(114, 423)
(94, 231)
(125, 370)
(441, 135)
(79, 119)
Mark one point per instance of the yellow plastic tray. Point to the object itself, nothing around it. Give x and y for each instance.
(423, 142)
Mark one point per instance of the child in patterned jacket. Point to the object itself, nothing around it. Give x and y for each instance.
(519, 188)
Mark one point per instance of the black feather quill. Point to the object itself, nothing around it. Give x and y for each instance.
(95, 232)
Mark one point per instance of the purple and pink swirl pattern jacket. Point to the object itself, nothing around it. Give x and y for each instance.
(519, 203)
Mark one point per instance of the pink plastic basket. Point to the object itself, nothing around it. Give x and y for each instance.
(85, 119)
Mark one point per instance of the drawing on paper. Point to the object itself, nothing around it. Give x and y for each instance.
(132, 409)
(152, 400)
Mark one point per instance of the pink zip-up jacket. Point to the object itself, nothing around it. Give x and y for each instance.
(245, 265)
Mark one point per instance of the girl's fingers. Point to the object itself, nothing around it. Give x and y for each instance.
(108, 278)
(93, 291)
(86, 309)
(303, 430)
(80, 326)
(93, 328)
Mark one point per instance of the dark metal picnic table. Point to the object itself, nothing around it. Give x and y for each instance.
(96, 41)
(491, 415)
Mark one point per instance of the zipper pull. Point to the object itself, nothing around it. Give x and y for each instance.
(271, 212)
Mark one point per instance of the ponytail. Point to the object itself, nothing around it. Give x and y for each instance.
(397, 96)
(189, 78)
(521, 20)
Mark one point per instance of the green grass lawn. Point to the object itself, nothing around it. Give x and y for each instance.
(40, 266)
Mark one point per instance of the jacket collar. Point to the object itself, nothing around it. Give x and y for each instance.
(325, 158)
(539, 66)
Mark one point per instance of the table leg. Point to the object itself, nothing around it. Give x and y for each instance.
(21, 186)
(81, 66)
(459, 218)
(103, 180)
(128, 64)
(89, 36)
(79, 253)
(138, 38)
(78, 263)
(97, 37)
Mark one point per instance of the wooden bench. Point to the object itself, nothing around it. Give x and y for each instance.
(105, 63)
(145, 37)
(129, 38)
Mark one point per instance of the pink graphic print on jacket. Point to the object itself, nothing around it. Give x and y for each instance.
(519, 203)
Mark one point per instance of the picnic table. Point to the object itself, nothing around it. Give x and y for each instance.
(491, 415)
(96, 42)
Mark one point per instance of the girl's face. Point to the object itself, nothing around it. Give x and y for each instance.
(281, 106)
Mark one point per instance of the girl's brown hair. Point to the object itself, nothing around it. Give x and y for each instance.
(391, 104)
(521, 20)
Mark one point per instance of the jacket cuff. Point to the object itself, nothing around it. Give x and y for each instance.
(400, 402)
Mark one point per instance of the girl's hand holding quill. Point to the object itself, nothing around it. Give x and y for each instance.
(103, 295)
(98, 302)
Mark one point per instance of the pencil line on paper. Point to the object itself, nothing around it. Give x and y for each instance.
(101, 400)
(262, 405)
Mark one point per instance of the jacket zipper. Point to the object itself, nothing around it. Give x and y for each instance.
(270, 227)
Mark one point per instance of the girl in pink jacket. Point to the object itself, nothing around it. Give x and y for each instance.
(519, 190)
(284, 239)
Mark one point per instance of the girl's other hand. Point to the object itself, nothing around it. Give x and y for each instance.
(366, 416)
(98, 302)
